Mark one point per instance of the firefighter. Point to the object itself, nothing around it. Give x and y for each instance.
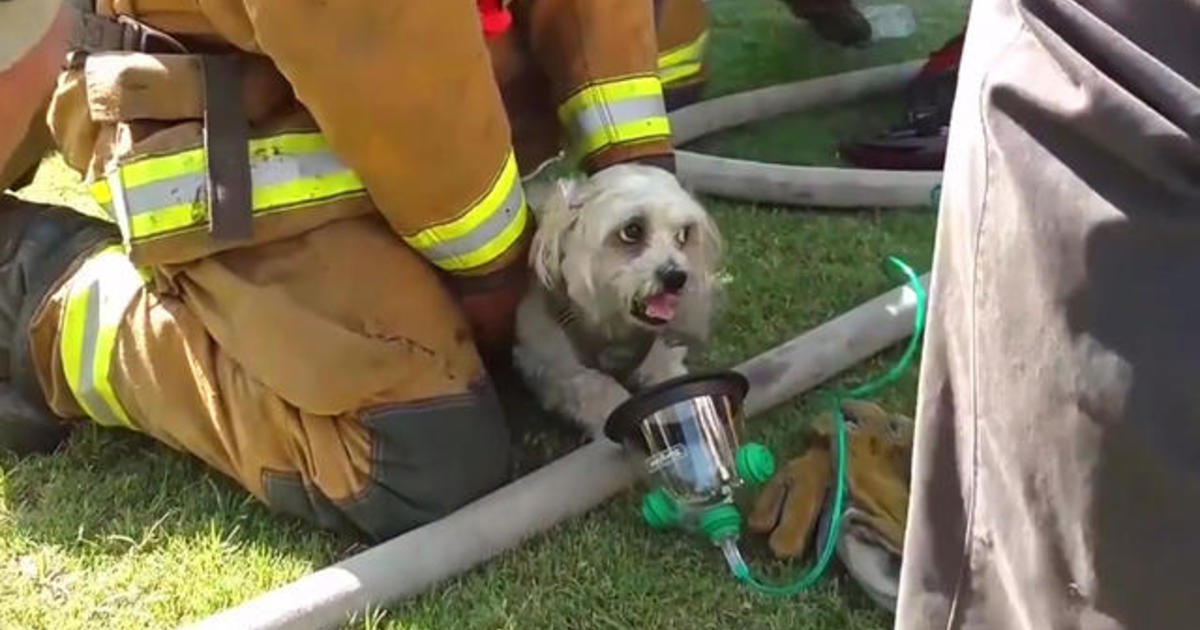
(682, 32)
(683, 39)
(313, 233)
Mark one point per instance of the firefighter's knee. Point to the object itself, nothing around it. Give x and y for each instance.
(427, 459)
(430, 458)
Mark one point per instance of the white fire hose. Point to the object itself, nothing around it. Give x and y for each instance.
(412, 563)
(797, 185)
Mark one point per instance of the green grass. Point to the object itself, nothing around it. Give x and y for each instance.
(118, 532)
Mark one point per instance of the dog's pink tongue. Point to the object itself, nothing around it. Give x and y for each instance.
(662, 306)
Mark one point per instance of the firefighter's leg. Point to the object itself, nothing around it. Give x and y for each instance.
(682, 50)
(329, 374)
(37, 245)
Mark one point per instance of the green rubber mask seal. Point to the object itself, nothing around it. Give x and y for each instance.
(720, 522)
(755, 464)
(659, 510)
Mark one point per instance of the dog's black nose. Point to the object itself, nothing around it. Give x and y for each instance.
(673, 279)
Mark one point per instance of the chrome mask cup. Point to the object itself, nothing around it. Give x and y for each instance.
(688, 432)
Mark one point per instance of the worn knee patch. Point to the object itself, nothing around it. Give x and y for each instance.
(428, 458)
(287, 493)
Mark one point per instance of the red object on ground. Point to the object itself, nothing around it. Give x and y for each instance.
(946, 58)
(919, 143)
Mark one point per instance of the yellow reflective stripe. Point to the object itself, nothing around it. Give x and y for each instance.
(679, 73)
(617, 112)
(608, 93)
(289, 171)
(101, 193)
(322, 186)
(168, 219)
(153, 168)
(637, 131)
(294, 142)
(166, 193)
(690, 52)
(477, 212)
(99, 293)
(503, 201)
(494, 249)
(185, 215)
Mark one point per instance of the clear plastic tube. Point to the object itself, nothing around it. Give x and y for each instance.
(733, 557)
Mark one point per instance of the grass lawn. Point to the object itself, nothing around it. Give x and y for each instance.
(118, 532)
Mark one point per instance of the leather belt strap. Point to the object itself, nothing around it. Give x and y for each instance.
(97, 33)
(226, 133)
(92, 33)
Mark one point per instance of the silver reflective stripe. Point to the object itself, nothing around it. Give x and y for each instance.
(165, 193)
(120, 206)
(483, 233)
(281, 169)
(87, 372)
(601, 116)
(189, 189)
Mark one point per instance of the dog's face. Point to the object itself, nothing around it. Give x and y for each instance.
(631, 249)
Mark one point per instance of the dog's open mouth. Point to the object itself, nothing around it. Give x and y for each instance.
(656, 309)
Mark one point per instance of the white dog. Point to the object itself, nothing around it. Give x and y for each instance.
(625, 263)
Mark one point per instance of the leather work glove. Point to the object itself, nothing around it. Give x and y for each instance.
(879, 452)
(789, 504)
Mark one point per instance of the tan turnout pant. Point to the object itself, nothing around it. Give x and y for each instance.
(329, 373)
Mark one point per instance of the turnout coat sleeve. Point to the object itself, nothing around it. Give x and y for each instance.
(601, 59)
(404, 93)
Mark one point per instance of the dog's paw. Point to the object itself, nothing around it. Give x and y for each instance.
(598, 396)
(594, 416)
(664, 362)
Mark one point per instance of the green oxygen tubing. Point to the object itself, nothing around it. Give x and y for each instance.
(685, 430)
(805, 581)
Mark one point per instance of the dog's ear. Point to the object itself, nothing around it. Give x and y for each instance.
(711, 246)
(556, 216)
(538, 192)
(699, 306)
(687, 186)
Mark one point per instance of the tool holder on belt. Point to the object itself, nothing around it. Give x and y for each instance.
(226, 125)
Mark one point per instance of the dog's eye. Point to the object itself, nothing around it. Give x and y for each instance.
(631, 233)
(683, 235)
